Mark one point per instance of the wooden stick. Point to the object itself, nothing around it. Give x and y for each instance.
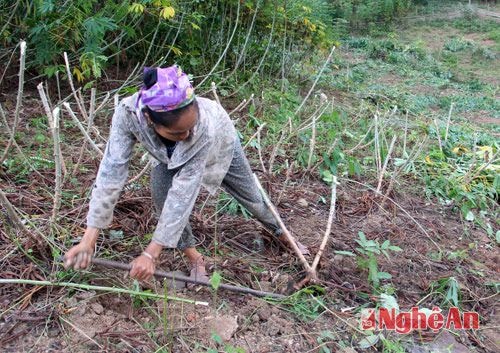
(16, 220)
(89, 128)
(57, 160)
(141, 173)
(381, 176)
(275, 151)
(79, 103)
(448, 123)
(253, 136)
(259, 150)
(50, 118)
(329, 224)
(316, 81)
(311, 273)
(312, 143)
(438, 133)
(213, 87)
(377, 144)
(162, 274)
(82, 129)
(19, 100)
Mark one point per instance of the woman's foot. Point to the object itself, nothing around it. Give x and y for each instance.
(198, 270)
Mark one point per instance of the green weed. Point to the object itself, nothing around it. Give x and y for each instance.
(449, 289)
(457, 44)
(226, 348)
(369, 250)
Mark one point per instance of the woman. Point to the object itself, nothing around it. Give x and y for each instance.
(193, 143)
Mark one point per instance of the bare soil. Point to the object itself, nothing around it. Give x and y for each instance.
(50, 320)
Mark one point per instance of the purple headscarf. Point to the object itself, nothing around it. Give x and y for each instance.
(171, 91)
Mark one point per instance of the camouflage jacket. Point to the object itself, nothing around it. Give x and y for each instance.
(203, 158)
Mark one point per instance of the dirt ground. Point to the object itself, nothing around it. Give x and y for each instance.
(58, 320)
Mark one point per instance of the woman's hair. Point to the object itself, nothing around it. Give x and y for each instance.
(168, 118)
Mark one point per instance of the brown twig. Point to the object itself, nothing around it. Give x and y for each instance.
(16, 220)
(79, 103)
(310, 272)
(382, 171)
(19, 100)
(213, 87)
(328, 226)
(57, 159)
(82, 129)
(50, 118)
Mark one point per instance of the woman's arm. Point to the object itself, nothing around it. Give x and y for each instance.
(111, 178)
(113, 171)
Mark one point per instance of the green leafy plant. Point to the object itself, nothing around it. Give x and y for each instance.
(227, 348)
(369, 251)
(324, 338)
(307, 304)
(449, 289)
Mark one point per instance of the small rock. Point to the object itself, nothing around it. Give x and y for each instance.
(256, 318)
(302, 202)
(225, 326)
(266, 286)
(97, 308)
(264, 314)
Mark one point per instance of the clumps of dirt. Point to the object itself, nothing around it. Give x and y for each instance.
(482, 117)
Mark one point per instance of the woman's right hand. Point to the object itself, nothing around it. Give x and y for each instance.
(79, 256)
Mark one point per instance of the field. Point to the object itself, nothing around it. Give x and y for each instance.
(407, 121)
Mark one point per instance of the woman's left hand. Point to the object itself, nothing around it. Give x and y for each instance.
(142, 268)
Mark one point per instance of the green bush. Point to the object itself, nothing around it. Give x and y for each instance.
(193, 34)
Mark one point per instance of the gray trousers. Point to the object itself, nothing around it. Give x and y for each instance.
(238, 182)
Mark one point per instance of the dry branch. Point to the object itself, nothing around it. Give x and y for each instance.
(316, 81)
(57, 160)
(213, 87)
(448, 123)
(382, 172)
(312, 143)
(310, 272)
(16, 220)
(98, 288)
(141, 173)
(328, 226)
(19, 100)
(259, 149)
(50, 118)
(438, 133)
(82, 129)
(79, 103)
